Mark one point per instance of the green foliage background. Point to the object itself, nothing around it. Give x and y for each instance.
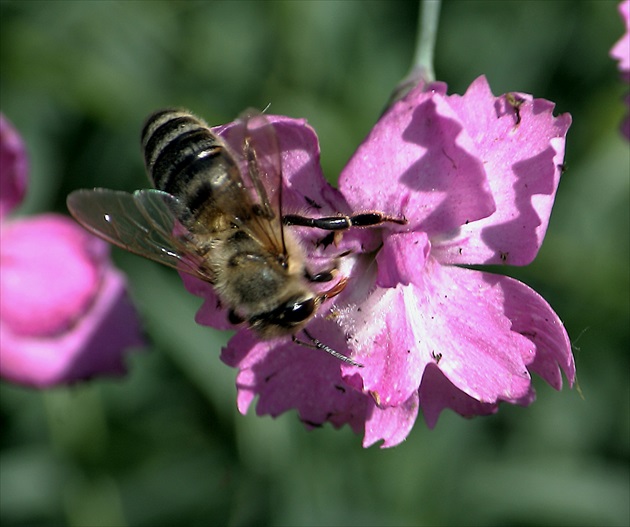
(165, 445)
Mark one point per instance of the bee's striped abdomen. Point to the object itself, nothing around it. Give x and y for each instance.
(184, 157)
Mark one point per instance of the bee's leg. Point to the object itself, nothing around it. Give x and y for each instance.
(334, 290)
(342, 223)
(234, 318)
(316, 344)
(324, 276)
(327, 240)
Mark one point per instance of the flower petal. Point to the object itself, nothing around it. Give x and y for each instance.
(621, 49)
(621, 52)
(402, 258)
(13, 168)
(302, 171)
(456, 319)
(285, 375)
(86, 332)
(212, 312)
(391, 425)
(48, 278)
(438, 393)
(96, 346)
(384, 333)
(420, 163)
(533, 318)
(521, 144)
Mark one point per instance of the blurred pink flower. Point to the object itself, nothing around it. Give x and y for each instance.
(475, 176)
(621, 52)
(64, 312)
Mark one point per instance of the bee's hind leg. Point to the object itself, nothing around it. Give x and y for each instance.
(342, 223)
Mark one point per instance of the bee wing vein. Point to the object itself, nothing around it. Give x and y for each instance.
(144, 223)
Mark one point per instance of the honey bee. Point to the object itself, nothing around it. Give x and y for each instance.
(216, 213)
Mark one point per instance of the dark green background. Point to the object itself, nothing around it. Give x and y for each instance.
(165, 445)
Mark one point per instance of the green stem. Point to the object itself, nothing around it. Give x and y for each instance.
(429, 17)
(422, 65)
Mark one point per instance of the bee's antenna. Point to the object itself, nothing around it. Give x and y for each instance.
(320, 345)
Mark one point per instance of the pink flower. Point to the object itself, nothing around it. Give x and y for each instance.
(64, 313)
(475, 176)
(621, 52)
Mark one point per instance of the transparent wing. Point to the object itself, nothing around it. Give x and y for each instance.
(261, 171)
(145, 223)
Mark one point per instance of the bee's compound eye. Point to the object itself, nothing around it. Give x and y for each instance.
(296, 312)
(287, 316)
